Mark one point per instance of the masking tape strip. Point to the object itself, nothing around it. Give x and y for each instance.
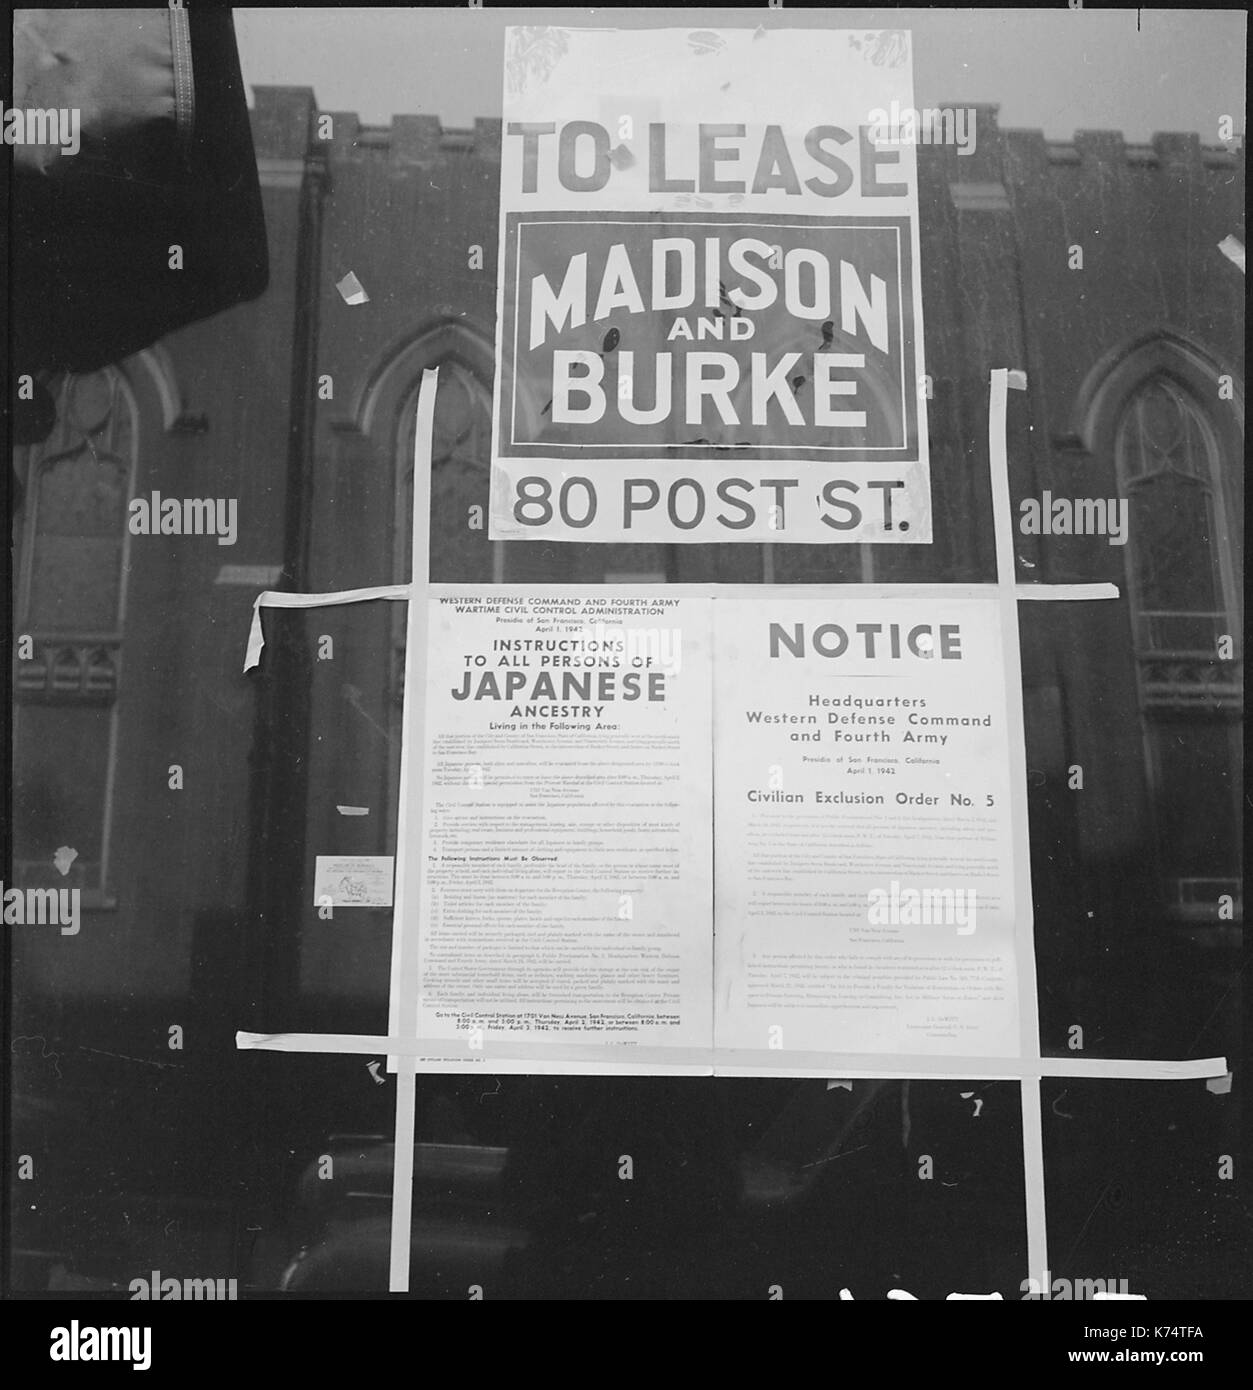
(999, 384)
(899, 593)
(914, 1066)
(409, 813)
(741, 1062)
(402, 1015)
(276, 598)
(402, 1176)
(998, 463)
(1033, 1174)
(1065, 592)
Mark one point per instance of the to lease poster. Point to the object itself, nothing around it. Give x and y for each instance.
(709, 317)
(865, 886)
(567, 875)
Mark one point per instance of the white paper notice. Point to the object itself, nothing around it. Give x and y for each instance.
(566, 886)
(865, 899)
(353, 880)
(709, 303)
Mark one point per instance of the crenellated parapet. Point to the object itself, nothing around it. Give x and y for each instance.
(287, 123)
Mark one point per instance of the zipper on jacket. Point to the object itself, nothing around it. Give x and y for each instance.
(184, 81)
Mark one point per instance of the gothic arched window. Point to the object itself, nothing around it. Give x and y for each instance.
(1183, 589)
(73, 544)
(1179, 550)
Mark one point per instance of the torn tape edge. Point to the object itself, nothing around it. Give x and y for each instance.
(280, 598)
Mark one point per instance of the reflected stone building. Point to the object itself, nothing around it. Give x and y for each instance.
(197, 885)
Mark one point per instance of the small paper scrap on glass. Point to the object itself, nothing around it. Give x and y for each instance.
(353, 880)
(1233, 249)
(351, 290)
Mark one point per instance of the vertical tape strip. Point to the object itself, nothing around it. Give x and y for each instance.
(1006, 587)
(1024, 916)
(402, 1000)
(1033, 1179)
(402, 1176)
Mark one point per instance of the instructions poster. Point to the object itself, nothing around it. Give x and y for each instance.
(864, 854)
(709, 318)
(567, 871)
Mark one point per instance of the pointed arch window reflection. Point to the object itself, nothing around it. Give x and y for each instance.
(73, 547)
(1183, 587)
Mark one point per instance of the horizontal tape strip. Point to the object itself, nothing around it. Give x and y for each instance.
(740, 1062)
(1065, 591)
(491, 593)
(276, 598)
